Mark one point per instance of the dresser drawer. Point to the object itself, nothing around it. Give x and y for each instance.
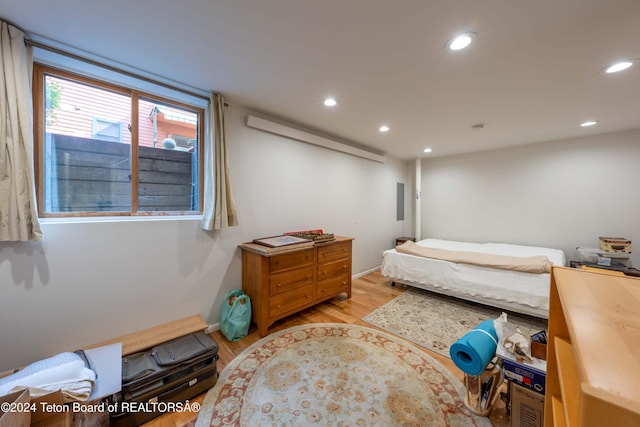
(291, 279)
(290, 260)
(332, 286)
(334, 252)
(291, 301)
(333, 268)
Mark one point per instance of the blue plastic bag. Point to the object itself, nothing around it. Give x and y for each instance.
(235, 317)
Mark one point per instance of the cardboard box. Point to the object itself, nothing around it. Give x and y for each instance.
(615, 244)
(15, 409)
(525, 375)
(43, 411)
(527, 406)
(50, 410)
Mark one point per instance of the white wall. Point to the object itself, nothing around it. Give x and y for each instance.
(560, 194)
(288, 185)
(87, 282)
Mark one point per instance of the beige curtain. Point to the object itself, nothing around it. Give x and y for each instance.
(18, 212)
(219, 205)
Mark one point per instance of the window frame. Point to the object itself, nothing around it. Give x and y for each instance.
(40, 71)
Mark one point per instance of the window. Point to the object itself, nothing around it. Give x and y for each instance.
(103, 149)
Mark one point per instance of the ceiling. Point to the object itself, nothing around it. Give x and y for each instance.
(533, 74)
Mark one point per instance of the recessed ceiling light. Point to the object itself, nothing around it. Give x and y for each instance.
(588, 123)
(461, 41)
(330, 102)
(428, 150)
(619, 66)
(384, 128)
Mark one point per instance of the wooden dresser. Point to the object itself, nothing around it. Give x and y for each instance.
(283, 283)
(593, 355)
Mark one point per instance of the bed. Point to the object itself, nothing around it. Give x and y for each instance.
(509, 289)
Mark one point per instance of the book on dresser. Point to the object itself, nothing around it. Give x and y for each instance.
(271, 250)
(281, 241)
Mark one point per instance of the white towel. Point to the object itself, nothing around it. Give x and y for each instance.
(65, 372)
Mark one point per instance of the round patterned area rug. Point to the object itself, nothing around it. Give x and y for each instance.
(331, 374)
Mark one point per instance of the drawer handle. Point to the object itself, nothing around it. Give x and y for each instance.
(306, 296)
(278, 306)
(324, 290)
(279, 285)
(344, 282)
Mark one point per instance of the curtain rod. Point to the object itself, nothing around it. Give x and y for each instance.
(34, 43)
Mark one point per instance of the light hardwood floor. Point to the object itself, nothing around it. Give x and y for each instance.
(368, 293)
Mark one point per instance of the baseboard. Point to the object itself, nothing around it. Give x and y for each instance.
(364, 273)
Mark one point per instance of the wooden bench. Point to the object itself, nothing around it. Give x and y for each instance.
(147, 338)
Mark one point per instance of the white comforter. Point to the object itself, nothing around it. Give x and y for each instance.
(521, 292)
(65, 372)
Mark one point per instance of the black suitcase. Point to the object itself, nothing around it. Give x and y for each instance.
(156, 381)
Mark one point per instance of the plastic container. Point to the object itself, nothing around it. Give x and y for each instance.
(597, 256)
